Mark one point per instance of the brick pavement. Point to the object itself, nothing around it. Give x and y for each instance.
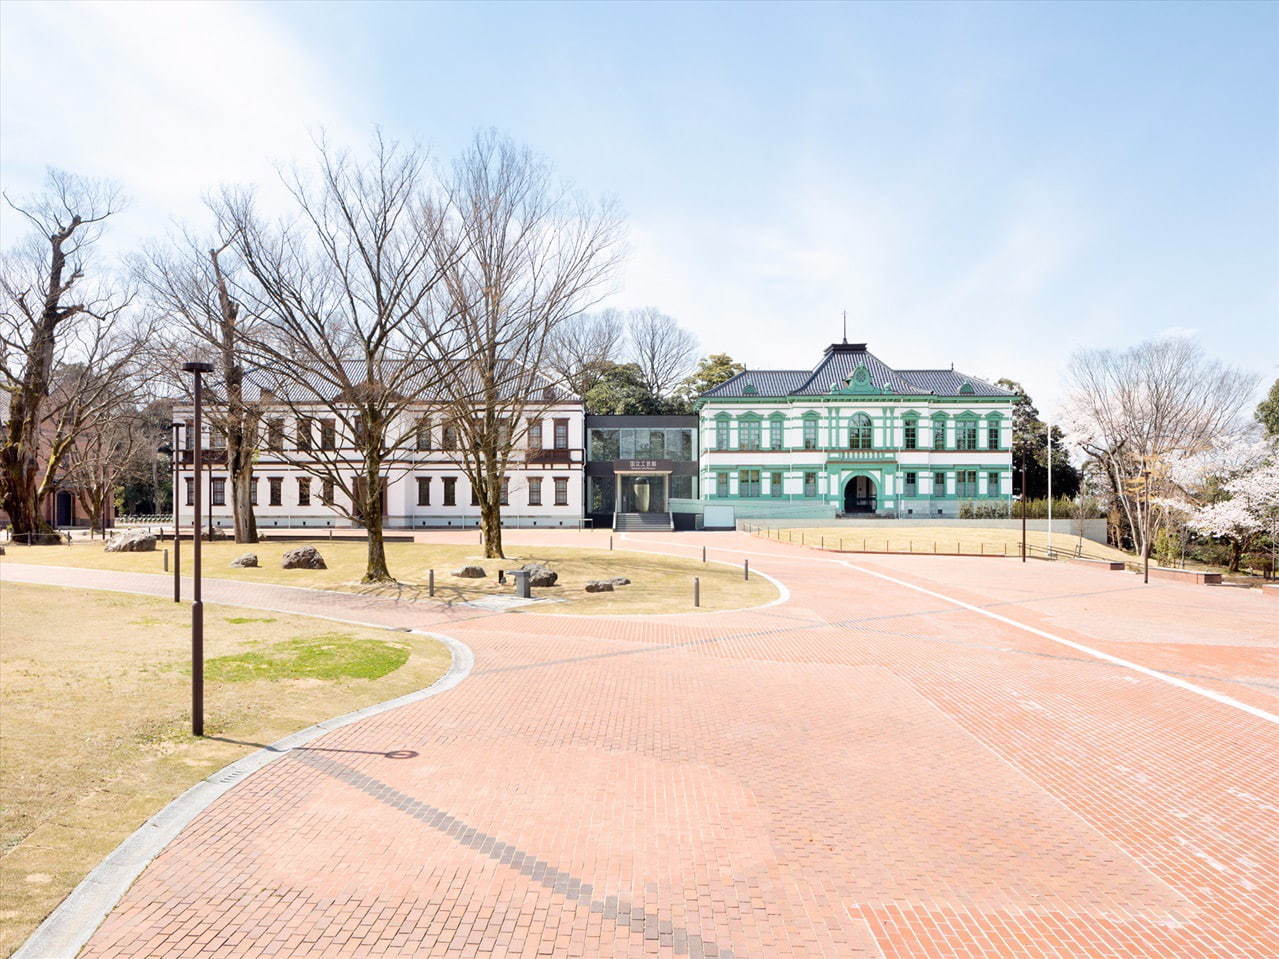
(864, 770)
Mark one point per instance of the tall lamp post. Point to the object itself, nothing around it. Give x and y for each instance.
(1023, 507)
(197, 605)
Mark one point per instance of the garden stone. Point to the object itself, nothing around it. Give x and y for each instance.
(304, 557)
(620, 581)
(539, 574)
(139, 541)
(599, 586)
(470, 572)
(245, 561)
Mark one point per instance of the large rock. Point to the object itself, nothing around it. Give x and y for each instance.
(250, 560)
(470, 572)
(620, 581)
(539, 574)
(304, 557)
(599, 586)
(138, 541)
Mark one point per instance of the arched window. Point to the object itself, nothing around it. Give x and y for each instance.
(966, 432)
(859, 432)
(910, 431)
(777, 431)
(721, 431)
(993, 423)
(810, 431)
(749, 432)
(939, 431)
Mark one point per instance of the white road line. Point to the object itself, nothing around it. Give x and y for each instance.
(1079, 647)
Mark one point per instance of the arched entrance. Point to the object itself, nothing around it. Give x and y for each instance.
(859, 495)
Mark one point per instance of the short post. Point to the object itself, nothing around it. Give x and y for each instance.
(610, 543)
(823, 541)
(166, 560)
(703, 554)
(746, 569)
(697, 591)
(430, 582)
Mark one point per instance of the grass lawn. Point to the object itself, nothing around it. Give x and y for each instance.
(948, 539)
(95, 723)
(659, 584)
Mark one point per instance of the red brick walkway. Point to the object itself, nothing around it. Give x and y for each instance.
(864, 770)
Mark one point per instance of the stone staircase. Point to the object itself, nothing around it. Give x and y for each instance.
(642, 522)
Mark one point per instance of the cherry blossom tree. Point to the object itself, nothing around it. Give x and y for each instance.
(1249, 513)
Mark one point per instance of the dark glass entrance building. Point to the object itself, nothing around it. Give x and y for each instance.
(636, 466)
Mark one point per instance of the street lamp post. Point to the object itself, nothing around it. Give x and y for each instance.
(197, 605)
(1023, 507)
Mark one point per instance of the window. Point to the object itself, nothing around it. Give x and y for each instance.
(748, 434)
(721, 432)
(276, 486)
(776, 485)
(721, 484)
(217, 439)
(992, 433)
(190, 491)
(449, 440)
(683, 487)
(326, 492)
(360, 429)
(424, 491)
(304, 491)
(504, 494)
(992, 484)
(535, 491)
(304, 434)
(275, 434)
(966, 434)
(253, 492)
(810, 485)
(748, 483)
(600, 490)
(912, 487)
(328, 434)
(561, 435)
(939, 431)
(776, 432)
(475, 496)
(605, 446)
(810, 432)
(218, 494)
(189, 434)
(450, 491)
(939, 484)
(966, 483)
(423, 436)
(859, 432)
(561, 489)
(534, 434)
(910, 438)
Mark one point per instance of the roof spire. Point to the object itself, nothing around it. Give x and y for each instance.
(845, 326)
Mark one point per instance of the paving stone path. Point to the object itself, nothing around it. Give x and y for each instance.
(866, 770)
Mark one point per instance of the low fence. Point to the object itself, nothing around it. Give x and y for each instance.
(865, 540)
(1092, 529)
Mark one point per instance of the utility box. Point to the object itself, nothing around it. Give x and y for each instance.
(521, 582)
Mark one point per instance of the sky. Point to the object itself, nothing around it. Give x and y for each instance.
(986, 185)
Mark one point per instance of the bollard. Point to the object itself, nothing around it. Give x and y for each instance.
(746, 569)
(610, 544)
(697, 591)
(703, 554)
(823, 541)
(166, 560)
(430, 582)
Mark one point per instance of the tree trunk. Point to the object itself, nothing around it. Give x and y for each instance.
(1236, 553)
(376, 570)
(246, 523)
(21, 503)
(491, 525)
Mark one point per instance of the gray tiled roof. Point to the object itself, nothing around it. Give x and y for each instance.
(837, 364)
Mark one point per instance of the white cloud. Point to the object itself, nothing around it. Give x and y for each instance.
(169, 99)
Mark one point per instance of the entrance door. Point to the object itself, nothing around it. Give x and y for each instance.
(643, 494)
(64, 509)
(859, 495)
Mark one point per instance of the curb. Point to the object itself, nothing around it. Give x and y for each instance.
(65, 931)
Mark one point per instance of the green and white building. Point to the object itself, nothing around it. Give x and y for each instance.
(854, 436)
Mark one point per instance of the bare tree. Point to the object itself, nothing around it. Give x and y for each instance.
(1134, 411)
(583, 347)
(190, 280)
(534, 255)
(661, 348)
(344, 337)
(100, 457)
(66, 341)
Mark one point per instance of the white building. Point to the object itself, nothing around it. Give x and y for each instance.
(853, 435)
